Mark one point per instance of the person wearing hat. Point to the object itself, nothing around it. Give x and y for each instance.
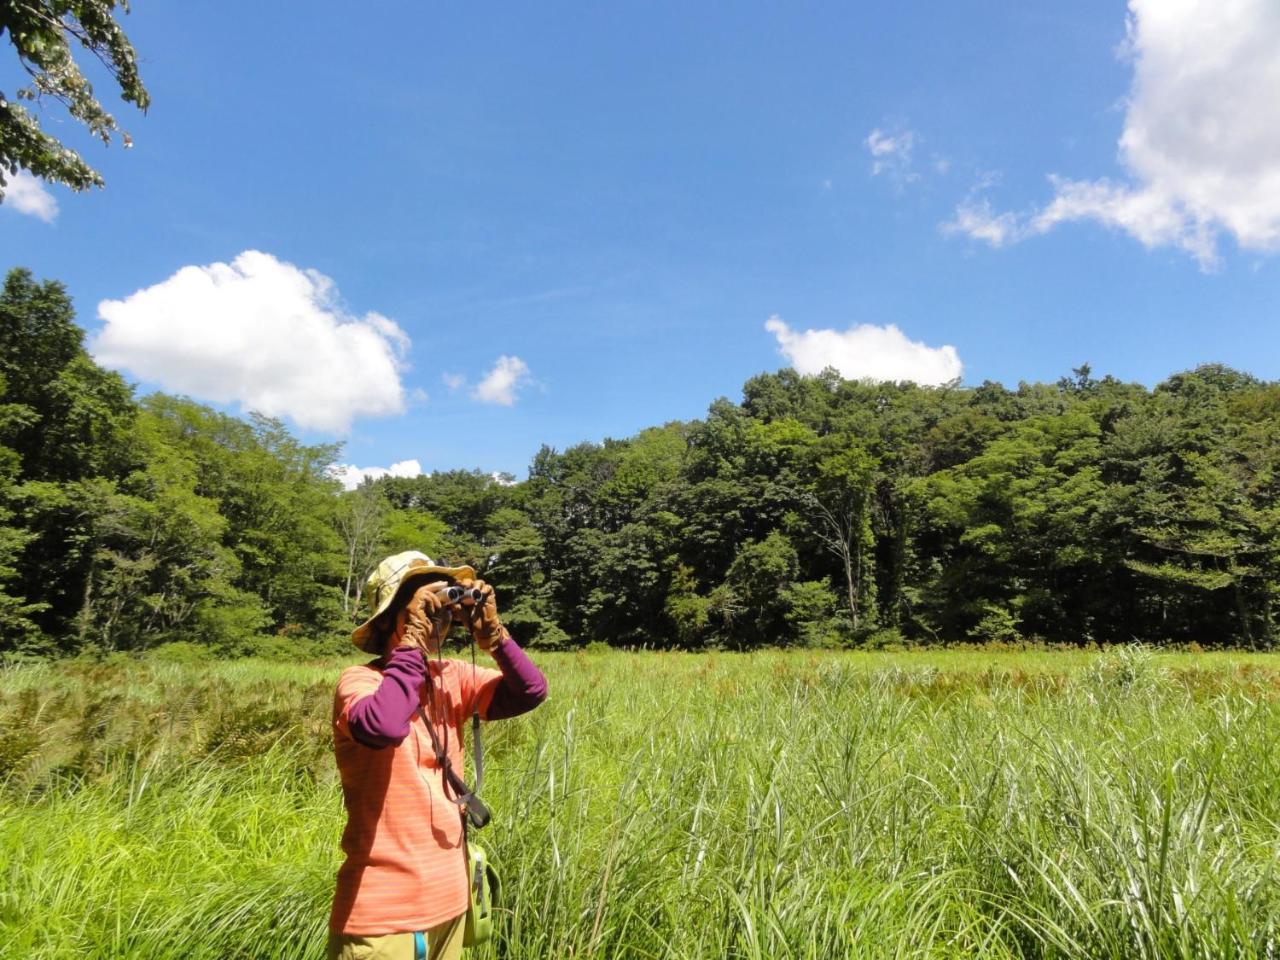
(402, 891)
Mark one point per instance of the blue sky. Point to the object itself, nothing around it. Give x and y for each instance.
(616, 198)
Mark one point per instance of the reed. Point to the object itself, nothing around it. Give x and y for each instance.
(942, 804)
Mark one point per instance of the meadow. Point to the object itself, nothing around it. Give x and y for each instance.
(793, 805)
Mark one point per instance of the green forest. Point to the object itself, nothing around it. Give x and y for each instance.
(816, 511)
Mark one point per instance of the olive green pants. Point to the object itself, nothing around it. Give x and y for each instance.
(444, 942)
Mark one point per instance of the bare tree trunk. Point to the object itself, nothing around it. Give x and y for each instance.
(346, 589)
(851, 584)
(86, 608)
(360, 528)
(838, 531)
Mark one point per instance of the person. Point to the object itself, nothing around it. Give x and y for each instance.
(402, 891)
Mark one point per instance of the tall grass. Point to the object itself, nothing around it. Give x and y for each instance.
(679, 806)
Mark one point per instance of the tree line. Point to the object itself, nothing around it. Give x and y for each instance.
(817, 511)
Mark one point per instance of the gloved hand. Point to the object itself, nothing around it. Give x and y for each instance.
(482, 617)
(419, 618)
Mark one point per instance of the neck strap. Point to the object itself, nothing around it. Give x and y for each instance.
(474, 809)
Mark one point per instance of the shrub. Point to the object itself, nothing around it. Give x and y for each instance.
(181, 651)
(812, 609)
(997, 625)
(531, 629)
(887, 638)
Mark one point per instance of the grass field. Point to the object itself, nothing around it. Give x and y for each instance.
(796, 805)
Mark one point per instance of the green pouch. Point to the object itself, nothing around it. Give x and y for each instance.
(484, 883)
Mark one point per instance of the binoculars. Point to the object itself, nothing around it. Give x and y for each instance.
(451, 593)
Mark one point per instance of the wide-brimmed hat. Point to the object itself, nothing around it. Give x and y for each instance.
(391, 577)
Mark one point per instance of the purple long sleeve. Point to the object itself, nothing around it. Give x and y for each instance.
(382, 718)
(522, 687)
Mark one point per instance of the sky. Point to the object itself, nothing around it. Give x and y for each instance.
(447, 236)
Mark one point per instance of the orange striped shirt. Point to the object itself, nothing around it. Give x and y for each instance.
(405, 868)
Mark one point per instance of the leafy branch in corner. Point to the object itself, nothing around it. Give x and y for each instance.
(42, 33)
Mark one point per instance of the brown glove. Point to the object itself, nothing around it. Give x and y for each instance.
(420, 615)
(482, 617)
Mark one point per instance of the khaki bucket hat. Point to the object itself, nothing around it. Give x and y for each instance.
(391, 576)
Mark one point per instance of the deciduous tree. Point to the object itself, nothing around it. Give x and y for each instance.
(44, 34)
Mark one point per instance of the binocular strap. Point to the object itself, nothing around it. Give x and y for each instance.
(475, 810)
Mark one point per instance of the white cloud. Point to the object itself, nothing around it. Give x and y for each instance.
(865, 352)
(454, 381)
(976, 219)
(27, 194)
(500, 384)
(891, 154)
(261, 333)
(1201, 155)
(1149, 215)
(883, 145)
(352, 476)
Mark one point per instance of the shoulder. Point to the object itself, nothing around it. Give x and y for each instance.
(461, 677)
(467, 677)
(359, 679)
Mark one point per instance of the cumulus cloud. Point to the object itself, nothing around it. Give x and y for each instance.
(1201, 158)
(865, 352)
(261, 333)
(27, 194)
(454, 381)
(891, 154)
(352, 476)
(501, 384)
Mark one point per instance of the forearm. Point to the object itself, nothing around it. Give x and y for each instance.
(382, 718)
(522, 686)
